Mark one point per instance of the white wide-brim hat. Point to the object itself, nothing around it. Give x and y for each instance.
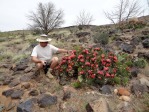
(43, 38)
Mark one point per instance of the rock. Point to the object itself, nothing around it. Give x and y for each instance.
(28, 69)
(34, 92)
(82, 34)
(125, 107)
(83, 40)
(10, 106)
(25, 78)
(67, 95)
(2, 108)
(145, 32)
(144, 55)
(25, 85)
(125, 98)
(135, 41)
(123, 91)
(27, 106)
(128, 48)
(100, 105)
(8, 92)
(20, 67)
(134, 72)
(69, 88)
(105, 89)
(47, 100)
(17, 94)
(7, 80)
(145, 43)
(139, 89)
(14, 82)
(144, 81)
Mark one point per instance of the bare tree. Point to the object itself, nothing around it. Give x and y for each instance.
(124, 10)
(84, 18)
(148, 3)
(46, 18)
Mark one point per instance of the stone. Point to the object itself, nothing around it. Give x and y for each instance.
(2, 108)
(125, 107)
(25, 78)
(145, 43)
(139, 89)
(105, 89)
(100, 105)
(134, 72)
(67, 95)
(27, 106)
(125, 98)
(17, 94)
(8, 92)
(10, 106)
(144, 81)
(123, 91)
(14, 82)
(128, 48)
(82, 34)
(20, 67)
(46, 100)
(34, 92)
(28, 69)
(7, 80)
(25, 85)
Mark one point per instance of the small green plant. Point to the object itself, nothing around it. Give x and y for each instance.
(140, 63)
(102, 38)
(19, 57)
(76, 84)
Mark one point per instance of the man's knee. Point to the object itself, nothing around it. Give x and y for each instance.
(55, 59)
(39, 66)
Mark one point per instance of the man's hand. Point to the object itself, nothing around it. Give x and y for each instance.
(69, 51)
(43, 62)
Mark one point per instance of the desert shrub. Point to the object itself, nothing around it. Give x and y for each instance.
(19, 57)
(3, 39)
(6, 55)
(94, 66)
(102, 38)
(140, 63)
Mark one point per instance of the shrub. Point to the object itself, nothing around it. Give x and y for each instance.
(140, 63)
(102, 38)
(93, 66)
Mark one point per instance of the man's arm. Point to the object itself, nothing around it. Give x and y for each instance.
(62, 51)
(36, 60)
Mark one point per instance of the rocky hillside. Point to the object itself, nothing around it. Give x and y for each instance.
(22, 91)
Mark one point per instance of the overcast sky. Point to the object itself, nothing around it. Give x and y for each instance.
(13, 12)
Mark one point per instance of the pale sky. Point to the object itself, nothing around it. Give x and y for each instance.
(13, 13)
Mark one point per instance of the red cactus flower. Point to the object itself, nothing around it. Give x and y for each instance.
(114, 70)
(106, 68)
(82, 60)
(80, 56)
(90, 71)
(112, 75)
(108, 60)
(92, 76)
(81, 72)
(87, 63)
(100, 72)
(97, 49)
(108, 64)
(108, 75)
(102, 55)
(72, 56)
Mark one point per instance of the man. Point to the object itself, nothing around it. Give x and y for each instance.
(43, 53)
